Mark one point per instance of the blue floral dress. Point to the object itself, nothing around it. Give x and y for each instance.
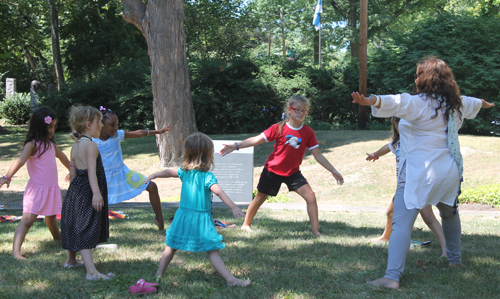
(123, 184)
(193, 227)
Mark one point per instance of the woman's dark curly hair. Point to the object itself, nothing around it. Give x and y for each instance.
(435, 80)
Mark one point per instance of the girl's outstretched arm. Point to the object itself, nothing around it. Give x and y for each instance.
(167, 173)
(324, 162)
(62, 157)
(382, 151)
(26, 153)
(252, 141)
(145, 133)
(237, 212)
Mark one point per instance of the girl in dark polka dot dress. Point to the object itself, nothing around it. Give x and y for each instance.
(84, 217)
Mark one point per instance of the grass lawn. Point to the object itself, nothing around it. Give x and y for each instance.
(281, 258)
(366, 183)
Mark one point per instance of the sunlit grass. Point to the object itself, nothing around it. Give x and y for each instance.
(281, 257)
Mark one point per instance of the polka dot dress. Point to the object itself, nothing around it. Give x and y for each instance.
(82, 227)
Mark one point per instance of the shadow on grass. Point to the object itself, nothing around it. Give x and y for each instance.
(281, 258)
(11, 144)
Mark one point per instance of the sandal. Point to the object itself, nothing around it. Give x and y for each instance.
(109, 276)
(69, 266)
(141, 290)
(141, 282)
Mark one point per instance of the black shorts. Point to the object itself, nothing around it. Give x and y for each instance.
(270, 183)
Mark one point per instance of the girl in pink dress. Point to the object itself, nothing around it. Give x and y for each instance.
(42, 195)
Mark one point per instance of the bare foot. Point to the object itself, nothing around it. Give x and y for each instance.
(160, 224)
(238, 283)
(444, 256)
(318, 234)
(385, 282)
(379, 239)
(246, 228)
(18, 256)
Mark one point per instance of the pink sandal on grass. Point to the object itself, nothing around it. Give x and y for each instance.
(143, 287)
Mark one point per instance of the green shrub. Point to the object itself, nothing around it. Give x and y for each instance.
(488, 194)
(125, 89)
(466, 43)
(16, 108)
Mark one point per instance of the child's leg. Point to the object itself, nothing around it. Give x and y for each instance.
(431, 221)
(22, 229)
(254, 206)
(452, 230)
(51, 223)
(154, 199)
(312, 207)
(88, 261)
(388, 225)
(71, 258)
(166, 258)
(219, 266)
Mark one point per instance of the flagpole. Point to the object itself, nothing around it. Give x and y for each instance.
(319, 46)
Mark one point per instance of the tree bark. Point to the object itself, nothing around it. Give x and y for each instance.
(351, 22)
(363, 41)
(56, 48)
(161, 23)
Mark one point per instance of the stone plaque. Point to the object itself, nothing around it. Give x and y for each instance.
(234, 172)
(10, 86)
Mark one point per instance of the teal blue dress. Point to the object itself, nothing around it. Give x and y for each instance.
(193, 227)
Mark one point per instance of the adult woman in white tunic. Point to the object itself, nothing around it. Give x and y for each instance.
(430, 165)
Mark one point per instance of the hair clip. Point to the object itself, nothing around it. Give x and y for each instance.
(47, 120)
(102, 108)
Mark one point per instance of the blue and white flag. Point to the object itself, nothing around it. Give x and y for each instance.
(319, 10)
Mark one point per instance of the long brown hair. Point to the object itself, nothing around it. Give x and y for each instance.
(395, 131)
(436, 81)
(198, 152)
(38, 130)
(291, 101)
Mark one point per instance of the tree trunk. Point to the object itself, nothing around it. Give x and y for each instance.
(351, 22)
(161, 22)
(363, 41)
(56, 48)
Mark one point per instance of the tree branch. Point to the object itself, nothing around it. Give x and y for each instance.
(133, 12)
(337, 7)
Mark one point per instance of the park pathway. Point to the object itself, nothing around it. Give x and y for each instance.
(277, 206)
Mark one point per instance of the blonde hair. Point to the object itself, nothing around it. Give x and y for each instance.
(78, 118)
(291, 101)
(198, 152)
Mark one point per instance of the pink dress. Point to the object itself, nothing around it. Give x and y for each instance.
(42, 195)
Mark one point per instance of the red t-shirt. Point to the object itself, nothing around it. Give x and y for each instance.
(289, 148)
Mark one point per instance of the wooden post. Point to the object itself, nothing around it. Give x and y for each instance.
(282, 32)
(363, 39)
(269, 44)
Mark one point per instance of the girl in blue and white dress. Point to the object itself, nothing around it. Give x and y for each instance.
(193, 227)
(123, 183)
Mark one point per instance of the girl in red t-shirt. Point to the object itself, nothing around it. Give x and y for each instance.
(292, 138)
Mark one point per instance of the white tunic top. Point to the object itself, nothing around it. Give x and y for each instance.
(431, 172)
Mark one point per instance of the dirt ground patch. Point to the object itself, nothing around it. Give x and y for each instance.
(477, 207)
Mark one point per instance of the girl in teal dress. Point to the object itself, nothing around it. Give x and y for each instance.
(193, 227)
